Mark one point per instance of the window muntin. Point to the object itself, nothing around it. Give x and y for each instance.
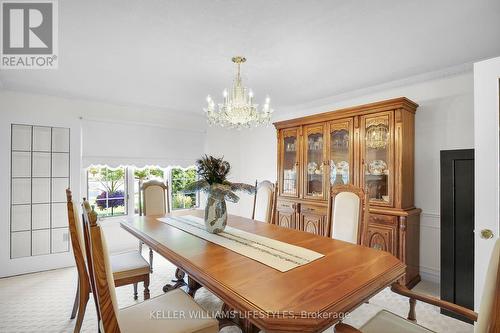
(179, 178)
(107, 190)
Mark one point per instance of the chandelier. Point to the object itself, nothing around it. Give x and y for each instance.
(238, 109)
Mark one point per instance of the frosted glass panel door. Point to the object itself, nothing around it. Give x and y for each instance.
(39, 176)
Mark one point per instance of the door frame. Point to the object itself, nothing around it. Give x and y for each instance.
(486, 165)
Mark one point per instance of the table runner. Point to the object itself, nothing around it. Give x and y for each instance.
(273, 253)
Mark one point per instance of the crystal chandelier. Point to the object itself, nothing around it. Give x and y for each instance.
(238, 109)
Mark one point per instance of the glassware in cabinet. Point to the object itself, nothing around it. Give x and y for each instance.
(377, 160)
(314, 162)
(289, 162)
(341, 152)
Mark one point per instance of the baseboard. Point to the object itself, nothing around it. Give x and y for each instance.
(430, 274)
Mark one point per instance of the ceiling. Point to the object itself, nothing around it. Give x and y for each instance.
(171, 54)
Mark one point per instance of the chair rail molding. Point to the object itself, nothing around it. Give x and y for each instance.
(427, 217)
(430, 231)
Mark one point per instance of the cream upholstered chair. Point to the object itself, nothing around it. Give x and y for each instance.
(128, 268)
(487, 321)
(155, 198)
(347, 216)
(263, 203)
(154, 202)
(141, 317)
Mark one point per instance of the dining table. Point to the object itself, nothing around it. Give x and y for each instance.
(308, 298)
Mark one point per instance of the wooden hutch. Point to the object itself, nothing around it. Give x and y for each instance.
(370, 146)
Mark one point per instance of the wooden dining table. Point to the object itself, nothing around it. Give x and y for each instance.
(309, 298)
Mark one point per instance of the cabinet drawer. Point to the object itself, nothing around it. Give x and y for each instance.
(383, 219)
(285, 205)
(313, 210)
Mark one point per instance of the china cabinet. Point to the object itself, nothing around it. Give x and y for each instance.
(370, 146)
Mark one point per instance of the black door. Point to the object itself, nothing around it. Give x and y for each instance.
(457, 228)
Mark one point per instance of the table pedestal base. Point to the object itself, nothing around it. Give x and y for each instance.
(192, 286)
(179, 282)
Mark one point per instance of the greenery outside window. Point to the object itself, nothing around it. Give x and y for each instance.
(141, 176)
(179, 178)
(107, 190)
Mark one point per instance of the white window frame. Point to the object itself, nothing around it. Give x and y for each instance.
(126, 192)
(170, 189)
(130, 189)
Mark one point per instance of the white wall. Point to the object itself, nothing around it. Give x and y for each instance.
(33, 110)
(225, 142)
(444, 120)
(157, 130)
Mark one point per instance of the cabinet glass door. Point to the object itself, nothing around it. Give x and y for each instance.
(315, 162)
(290, 162)
(341, 152)
(376, 142)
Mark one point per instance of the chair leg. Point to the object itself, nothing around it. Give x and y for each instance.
(84, 292)
(135, 291)
(146, 288)
(412, 315)
(150, 260)
(77, 298)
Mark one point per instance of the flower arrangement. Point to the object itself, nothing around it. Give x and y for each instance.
(213, 173)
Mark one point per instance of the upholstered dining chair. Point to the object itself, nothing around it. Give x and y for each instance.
(155, 201)
(128, 267)
(487, 320)
(348, 212)
(138, 318)
(263, 203)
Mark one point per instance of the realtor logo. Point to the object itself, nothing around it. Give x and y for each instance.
(29, 34)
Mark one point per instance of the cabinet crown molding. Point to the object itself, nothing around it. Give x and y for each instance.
(390, 104)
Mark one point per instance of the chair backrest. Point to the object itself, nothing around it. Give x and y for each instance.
(488, 320)
(155, 198)
(104, 283)
(346, 213)
(87, 214)
(77, 239)
(263, 201)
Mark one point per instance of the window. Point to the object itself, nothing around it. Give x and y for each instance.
(179, 178)
(107, 190)
(142, 175)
